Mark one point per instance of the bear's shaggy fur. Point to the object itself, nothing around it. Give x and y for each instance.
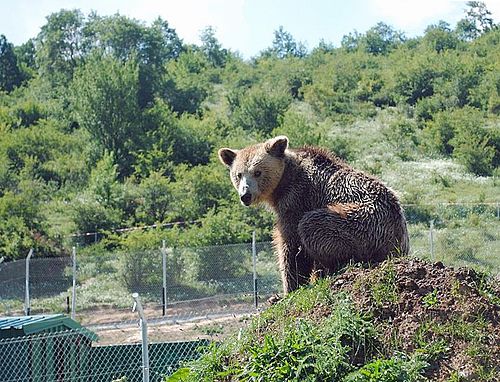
(328, 214)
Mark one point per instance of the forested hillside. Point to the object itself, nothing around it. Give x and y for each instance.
(106, 122)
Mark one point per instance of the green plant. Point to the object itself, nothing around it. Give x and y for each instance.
(384, 289)
(211, 330)
(431, 299)
(282, 345)
(397, 369)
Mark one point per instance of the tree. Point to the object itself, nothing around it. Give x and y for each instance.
(105, 102)
(185, 83)
(26, 54)
(126, 38)
(440, 37)
(212, 48)
(98, 207)
(26, 59)
(155, 198)
(10, 75)
(351, 41)
(477, 21)
(103, 182)
(261, 110)
(59, 46)
(381, 39)
(284, 45)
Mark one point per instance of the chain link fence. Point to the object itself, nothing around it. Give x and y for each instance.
(217, 280)
(188, 295)
(71, 356)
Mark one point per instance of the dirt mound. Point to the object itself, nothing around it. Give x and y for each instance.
(449, 315)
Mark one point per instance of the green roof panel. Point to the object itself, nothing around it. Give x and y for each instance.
(26, 325)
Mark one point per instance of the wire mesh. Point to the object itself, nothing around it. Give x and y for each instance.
(215, 281)
(71, 356)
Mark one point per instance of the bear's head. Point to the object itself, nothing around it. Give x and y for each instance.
(256, 170)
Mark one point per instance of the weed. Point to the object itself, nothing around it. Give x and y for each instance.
(430, 300)
(398, 368)
(382, 286)
(433, 339)
(293, 348)
(211, 330)
(430, 347)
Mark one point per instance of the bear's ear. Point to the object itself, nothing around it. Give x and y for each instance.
(277, 146)
(227, 156)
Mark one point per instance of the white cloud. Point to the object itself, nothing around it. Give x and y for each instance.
(189, 17)
(413, 16)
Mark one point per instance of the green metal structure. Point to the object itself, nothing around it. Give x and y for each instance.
(27, 325)
(43, 348)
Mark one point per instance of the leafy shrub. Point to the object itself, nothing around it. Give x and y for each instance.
(141, 261)
(300, 130)
(185, 84)
(394, 369)
(260, 110)
(91, 216)
(402, 135)
(291, 348)
(462, 133)
(472, 147)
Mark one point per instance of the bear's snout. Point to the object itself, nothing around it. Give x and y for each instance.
(246, 198)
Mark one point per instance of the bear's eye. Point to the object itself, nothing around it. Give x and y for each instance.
(257, 173)
(238, 175)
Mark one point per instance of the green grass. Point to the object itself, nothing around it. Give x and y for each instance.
(312, 335)
(434, 339)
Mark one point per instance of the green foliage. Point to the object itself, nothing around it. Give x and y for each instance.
(430, 299)
(478, 20)
(463, 134)
(197, 191)
(116, 123)
(472, 148)
(439, 37)
(185, 82)
(97, 208)
(126, 38)
(397, 369)
(105, 102)
(289, 347)
(156, 198)
(284, 45)
(140, 260)
(382, 289)
(10, 74)
(59, 46)
(299, 130)
(212, 48)
(260, 110)
(381, 39)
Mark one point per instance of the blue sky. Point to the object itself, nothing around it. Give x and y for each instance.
(247, 26)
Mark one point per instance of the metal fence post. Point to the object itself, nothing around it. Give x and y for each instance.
(144, 336)
(164, 274)
(73, 290)
(431, 239)
(254, 261)
(27, 303)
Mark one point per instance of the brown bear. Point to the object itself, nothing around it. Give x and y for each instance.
(328, 214)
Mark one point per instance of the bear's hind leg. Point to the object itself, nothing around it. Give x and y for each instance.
(331, 237)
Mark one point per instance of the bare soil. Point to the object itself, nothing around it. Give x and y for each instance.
(213, 328)
(212, 318)
(421, 304)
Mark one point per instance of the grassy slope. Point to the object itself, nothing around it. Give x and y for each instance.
(404, 320)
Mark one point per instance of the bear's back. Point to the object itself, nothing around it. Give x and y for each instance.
(327, 179)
